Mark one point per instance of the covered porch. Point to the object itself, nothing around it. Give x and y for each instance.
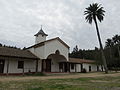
(58, 63)
(70, 67)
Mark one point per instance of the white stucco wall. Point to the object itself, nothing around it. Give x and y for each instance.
(51, 47)
(13, 66)
(39, 65)
(72, 70)
(93, 67)
(39, 39)
(78, 68)
(5, 66)
(39, 51)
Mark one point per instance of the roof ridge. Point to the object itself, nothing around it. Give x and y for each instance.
(42, 43)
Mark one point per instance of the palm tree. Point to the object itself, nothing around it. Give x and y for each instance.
(94, 12)
(109, 43)
(116, 40)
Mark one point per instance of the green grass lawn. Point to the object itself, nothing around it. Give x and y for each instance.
(96, 83)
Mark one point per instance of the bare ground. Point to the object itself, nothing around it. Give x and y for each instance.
(66, 76)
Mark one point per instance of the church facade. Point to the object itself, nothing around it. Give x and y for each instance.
(52, 53)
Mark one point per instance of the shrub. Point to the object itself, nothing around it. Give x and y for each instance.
(83, 70)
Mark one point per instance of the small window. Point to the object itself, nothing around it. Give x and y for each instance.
(72, 66)
(20, 64)
(89, 68)
(61, 65)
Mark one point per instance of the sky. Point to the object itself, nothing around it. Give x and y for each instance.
(20, 20)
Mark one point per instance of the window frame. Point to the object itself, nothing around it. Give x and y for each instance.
(20, 64)
(72, 66)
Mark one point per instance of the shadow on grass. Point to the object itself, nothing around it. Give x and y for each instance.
(35, 74)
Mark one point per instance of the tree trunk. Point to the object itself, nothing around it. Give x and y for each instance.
(110, 53)
(101, 47)
(118, 47)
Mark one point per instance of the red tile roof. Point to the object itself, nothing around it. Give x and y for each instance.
(11, 52)
(77, 60)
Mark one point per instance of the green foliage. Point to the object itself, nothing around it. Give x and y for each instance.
(87, 54)
(111, 51)
(94, 11)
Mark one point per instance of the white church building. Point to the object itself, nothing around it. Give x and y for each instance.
(53, 54)
(44, 56)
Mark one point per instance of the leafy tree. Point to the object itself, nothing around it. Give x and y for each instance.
(94, 12)
(0, 45)
(75, 49)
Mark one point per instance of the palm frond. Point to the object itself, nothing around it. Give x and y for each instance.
(96, 10)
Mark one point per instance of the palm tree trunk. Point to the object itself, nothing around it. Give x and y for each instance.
(118, 47)
(110, 52)
(101, 47)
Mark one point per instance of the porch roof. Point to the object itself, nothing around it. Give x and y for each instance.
(17, 53)
(77, 60)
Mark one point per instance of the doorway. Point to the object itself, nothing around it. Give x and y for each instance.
(46, 65)
(89, 68)
(2, 66)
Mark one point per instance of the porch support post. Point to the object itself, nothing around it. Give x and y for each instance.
(8, 66)
(36, 66)
(44, 65)
(81, 67)
(75, 68)
(68, 67)
(23, 68)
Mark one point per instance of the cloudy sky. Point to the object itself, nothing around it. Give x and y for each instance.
(21, 19)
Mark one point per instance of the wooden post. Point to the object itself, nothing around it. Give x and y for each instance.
(43, 65)
(8, 67)
(36, 66)
(81, 67)
(68, 69)
(75, 68)
(23, 68)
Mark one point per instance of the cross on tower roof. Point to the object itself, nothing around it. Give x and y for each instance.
(41, 32)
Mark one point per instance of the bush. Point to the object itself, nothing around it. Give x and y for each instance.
(83, 70)
(35, 74)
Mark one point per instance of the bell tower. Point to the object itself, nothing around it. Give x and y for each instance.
(40, 36)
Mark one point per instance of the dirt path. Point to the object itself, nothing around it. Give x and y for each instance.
(24, 78)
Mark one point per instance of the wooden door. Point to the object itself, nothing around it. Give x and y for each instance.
(65, 67)
(48, 65)
(89, 68)
(2, 66)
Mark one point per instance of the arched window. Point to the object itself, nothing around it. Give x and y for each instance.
(57, 52)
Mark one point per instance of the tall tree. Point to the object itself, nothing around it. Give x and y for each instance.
(94, 12)
(75, 49)
(116, 40)
(109, 45)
